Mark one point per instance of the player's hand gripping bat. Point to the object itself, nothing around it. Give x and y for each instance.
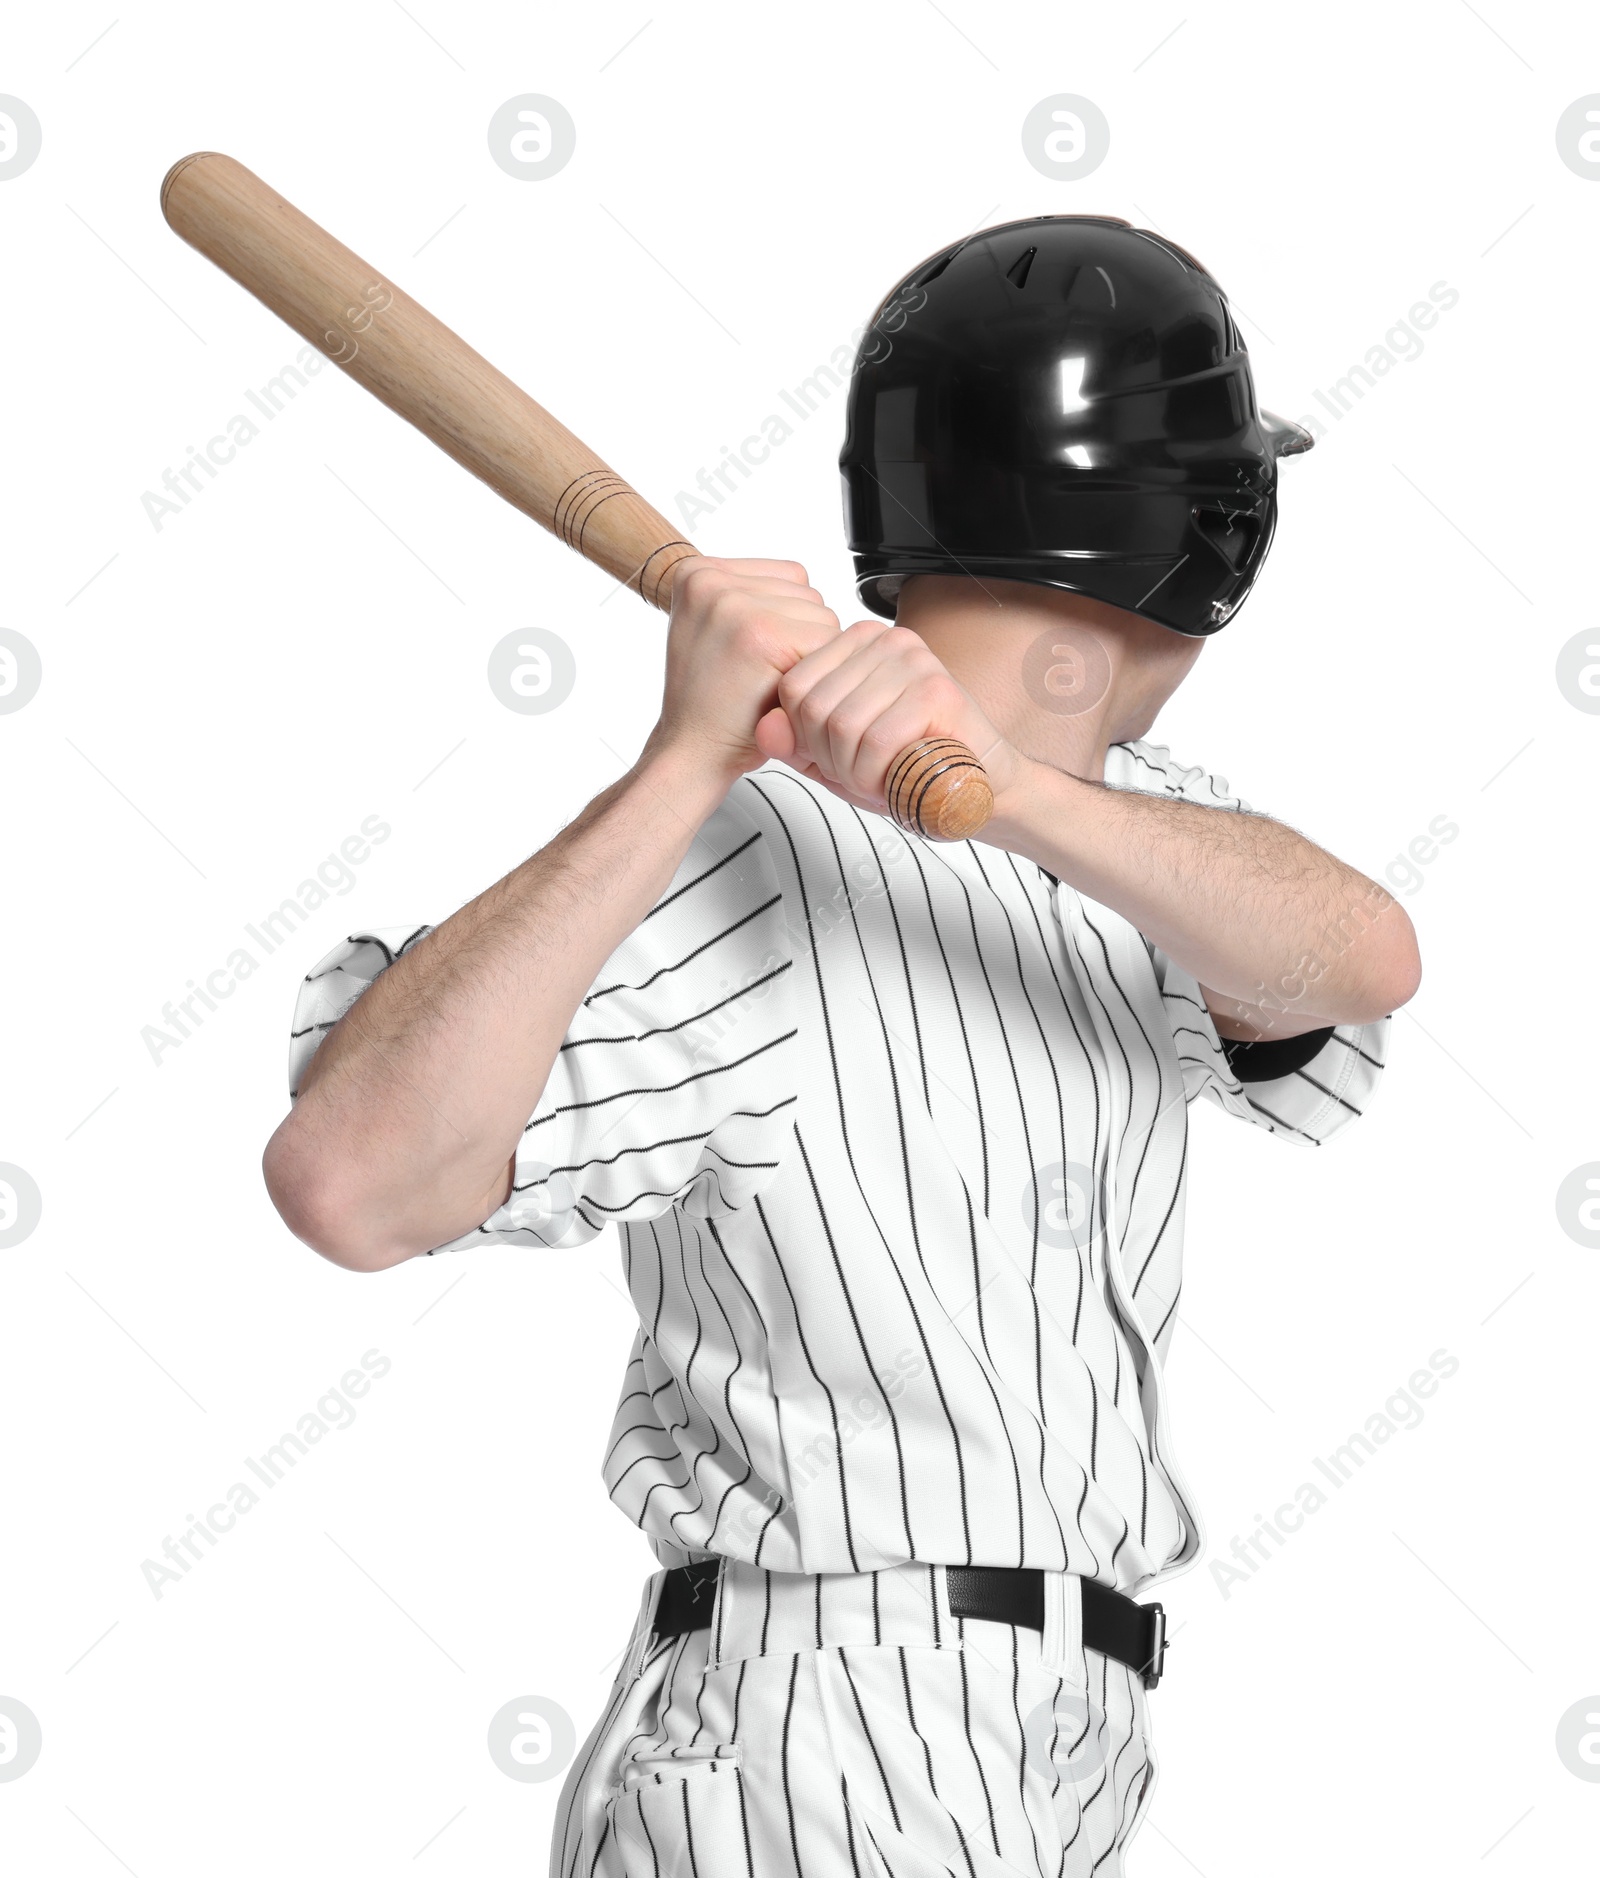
(433, 379)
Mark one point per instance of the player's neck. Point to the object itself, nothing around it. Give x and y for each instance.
(1061, 677)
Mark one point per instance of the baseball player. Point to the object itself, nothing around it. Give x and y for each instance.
(895, 1131)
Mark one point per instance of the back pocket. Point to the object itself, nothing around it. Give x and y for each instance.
(680, 1818)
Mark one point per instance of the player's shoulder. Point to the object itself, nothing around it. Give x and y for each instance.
(774, 831)
(794, 811)
(1151, 767)
(722, 883)
(815, 839)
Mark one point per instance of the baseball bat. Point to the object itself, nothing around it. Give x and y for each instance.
(434, 380)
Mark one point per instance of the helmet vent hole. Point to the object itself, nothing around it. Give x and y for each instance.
(1017, 273)
(939, 266)
(1230, 531)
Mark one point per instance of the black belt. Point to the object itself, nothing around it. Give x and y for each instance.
(1119, 1627)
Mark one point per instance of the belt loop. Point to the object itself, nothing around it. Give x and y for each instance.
(714, 1640)
(643, 1625)
(1061, 1646)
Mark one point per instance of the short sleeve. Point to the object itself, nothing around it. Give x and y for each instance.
(1308, 1102)
(675, 1083)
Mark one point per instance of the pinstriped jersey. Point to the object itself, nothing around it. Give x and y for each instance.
(896, 1136)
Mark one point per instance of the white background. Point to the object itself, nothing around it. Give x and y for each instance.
(231, 695)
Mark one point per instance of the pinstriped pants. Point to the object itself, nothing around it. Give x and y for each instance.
(847, 1726)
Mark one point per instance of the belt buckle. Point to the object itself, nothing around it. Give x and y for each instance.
(1155, 1661)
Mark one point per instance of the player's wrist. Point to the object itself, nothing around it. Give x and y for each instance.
(688, 768)
(1036, 808)
(1018, 783)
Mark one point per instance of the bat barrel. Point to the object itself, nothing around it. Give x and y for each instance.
(432, 378)
(417, 366)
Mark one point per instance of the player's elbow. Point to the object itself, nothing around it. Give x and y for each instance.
(1407, 978)
(324, 1207)
(1394, 967)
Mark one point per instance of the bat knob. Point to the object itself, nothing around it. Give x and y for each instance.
(939, 789)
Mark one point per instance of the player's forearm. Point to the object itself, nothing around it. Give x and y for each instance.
(1251, 909)
(409, 1115)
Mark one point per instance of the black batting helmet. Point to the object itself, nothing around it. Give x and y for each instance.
(1065, 400)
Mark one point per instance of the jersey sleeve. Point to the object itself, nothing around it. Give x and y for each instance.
(1305, 1089)
(675, 1082)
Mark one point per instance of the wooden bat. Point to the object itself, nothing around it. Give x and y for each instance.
(435, 381)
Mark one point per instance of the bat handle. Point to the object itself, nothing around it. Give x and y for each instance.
(937, 788)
